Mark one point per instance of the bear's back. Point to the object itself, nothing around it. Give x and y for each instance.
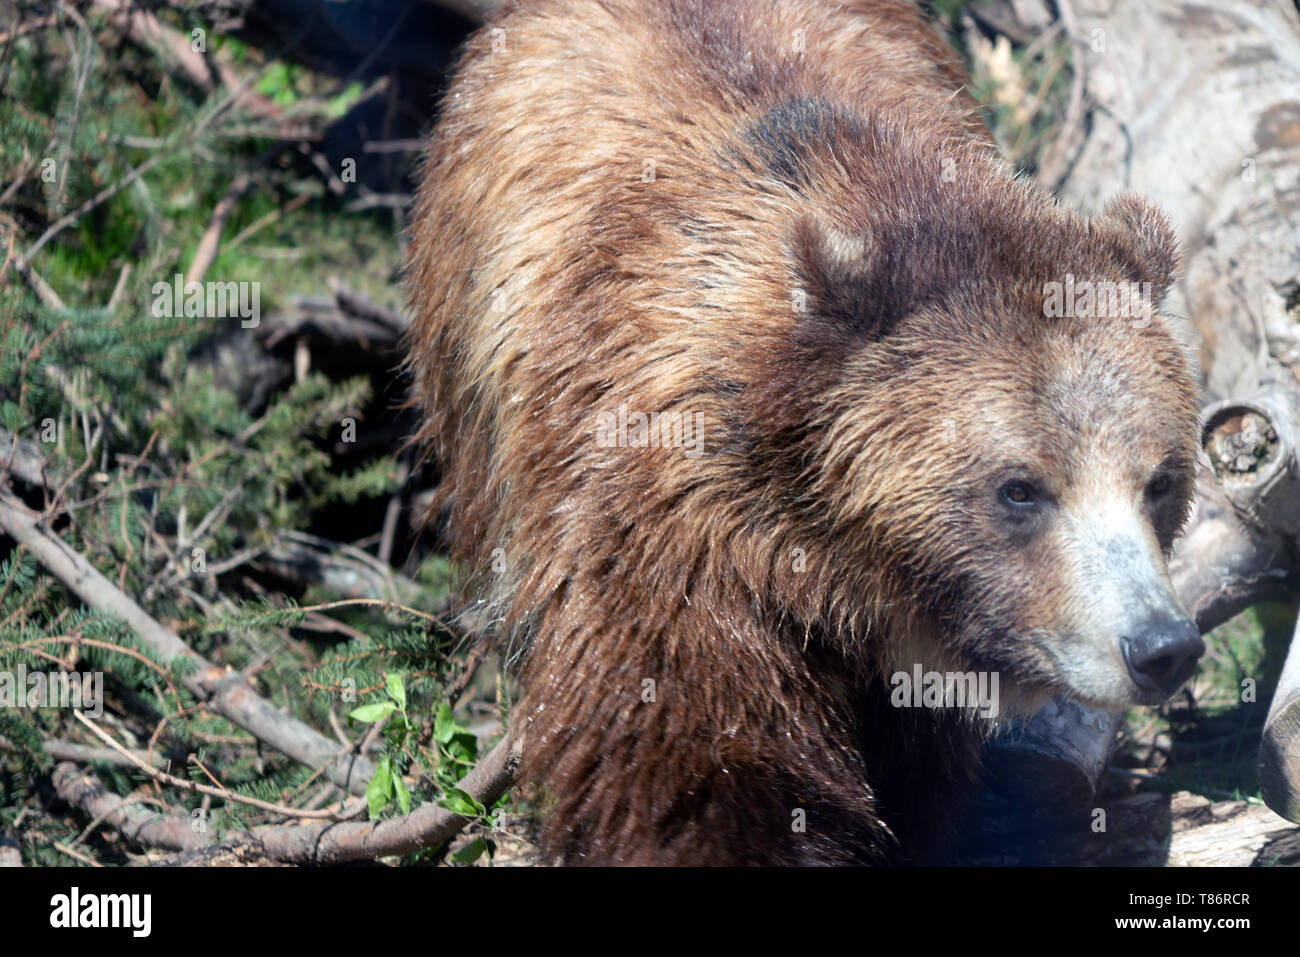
(608, 200)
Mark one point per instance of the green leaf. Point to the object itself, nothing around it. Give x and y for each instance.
(380, 790)
(370, 713)
(462, 747)
(397, 729)
(340, 104)
(461, 802)
(403, 795)
(444, 725)
(396, 689)
(471, 852)
(278, 83)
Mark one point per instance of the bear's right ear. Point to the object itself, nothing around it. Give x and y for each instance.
(844, 282)
(1147, 241)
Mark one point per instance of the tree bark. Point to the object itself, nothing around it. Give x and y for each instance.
(1198, 107)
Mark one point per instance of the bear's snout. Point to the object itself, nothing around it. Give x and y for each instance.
(1161, 655)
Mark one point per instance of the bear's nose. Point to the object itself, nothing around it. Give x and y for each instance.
(1161, 655)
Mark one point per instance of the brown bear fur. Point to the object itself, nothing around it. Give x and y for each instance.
(808, 239)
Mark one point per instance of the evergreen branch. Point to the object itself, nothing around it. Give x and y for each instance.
(108, 192)
(78, 640)
(234, 95)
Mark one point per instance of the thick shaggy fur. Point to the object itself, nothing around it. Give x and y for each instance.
(787, 218)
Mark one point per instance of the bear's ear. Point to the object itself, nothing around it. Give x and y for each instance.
(845, 286)
(1145, 239)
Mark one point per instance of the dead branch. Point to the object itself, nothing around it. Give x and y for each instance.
(340, 568)
(11, 854)
(347, 320)
(206, 253)
(354, 303)
(85, 754)
(169, 831)
(145, 30)
(22, 458)
(1225, 834)
(44, 291)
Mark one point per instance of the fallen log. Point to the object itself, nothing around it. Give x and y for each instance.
(1226, 834)
(1279, 752)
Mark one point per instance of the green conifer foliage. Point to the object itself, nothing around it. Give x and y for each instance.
(178, 453)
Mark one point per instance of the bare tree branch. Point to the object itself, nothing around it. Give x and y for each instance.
(169, 831)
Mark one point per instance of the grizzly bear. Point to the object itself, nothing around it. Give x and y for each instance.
(758, 384)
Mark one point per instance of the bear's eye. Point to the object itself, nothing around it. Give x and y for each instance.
(1159, 485)
(1018, 493)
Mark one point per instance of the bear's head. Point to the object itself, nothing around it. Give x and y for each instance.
(1008, 432)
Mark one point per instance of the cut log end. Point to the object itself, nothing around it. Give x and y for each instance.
(1279, 761)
